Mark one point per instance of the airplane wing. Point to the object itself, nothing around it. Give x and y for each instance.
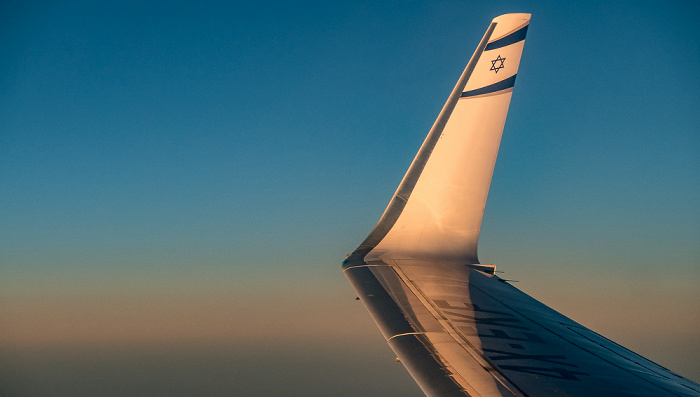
(457, 327)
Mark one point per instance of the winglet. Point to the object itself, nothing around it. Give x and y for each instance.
(437, 209)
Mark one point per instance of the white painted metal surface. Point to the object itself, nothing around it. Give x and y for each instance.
(457, 327)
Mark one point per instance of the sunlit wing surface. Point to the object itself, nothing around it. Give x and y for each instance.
(457, 327)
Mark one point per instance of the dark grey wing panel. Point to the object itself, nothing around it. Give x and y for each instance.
(460, 331)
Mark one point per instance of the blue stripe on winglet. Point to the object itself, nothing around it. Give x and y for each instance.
(501, 85)
(514, 37)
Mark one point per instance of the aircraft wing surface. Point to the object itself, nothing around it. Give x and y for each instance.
(457, 327)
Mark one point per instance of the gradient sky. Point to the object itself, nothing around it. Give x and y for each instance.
(180, 182)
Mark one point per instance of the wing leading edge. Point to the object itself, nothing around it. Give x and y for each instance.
(457, 328)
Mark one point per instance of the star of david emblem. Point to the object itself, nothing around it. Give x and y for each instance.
(493, 64)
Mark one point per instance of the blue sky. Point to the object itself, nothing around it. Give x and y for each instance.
(182, 162)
